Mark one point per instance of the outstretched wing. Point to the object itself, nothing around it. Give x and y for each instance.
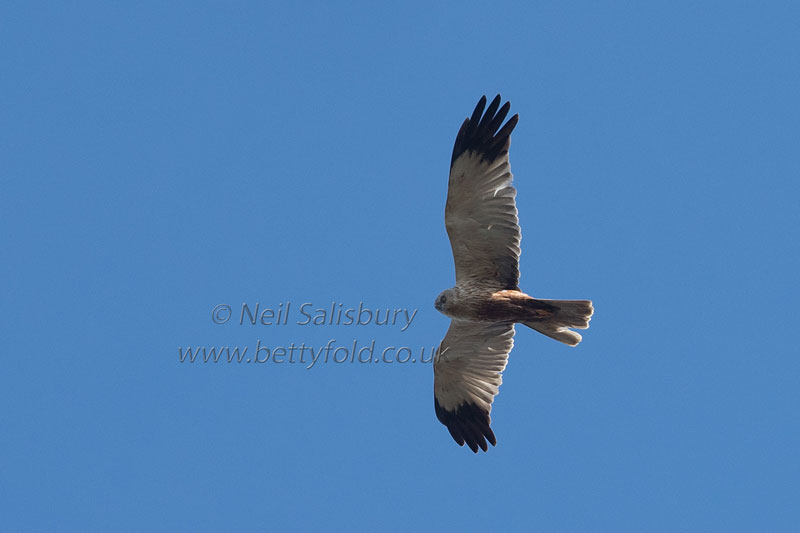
(466, 378)
(481, 214)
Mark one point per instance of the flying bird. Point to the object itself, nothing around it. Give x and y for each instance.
(486, 302)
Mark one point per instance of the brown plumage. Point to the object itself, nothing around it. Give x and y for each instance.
(481, 221)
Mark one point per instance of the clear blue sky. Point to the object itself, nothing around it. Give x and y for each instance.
(160, 160)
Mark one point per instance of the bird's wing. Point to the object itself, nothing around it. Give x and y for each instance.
(481, 214)
(466, 378)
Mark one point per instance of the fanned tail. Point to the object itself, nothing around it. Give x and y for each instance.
(554, 318)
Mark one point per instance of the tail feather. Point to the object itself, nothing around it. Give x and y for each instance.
(554, 318)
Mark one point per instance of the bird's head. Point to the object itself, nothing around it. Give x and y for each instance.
(444, 301)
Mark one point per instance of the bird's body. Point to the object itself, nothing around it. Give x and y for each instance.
(486, 302)
(474, 303)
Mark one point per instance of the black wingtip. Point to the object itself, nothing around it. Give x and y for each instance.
(476, 114)
(468, 424)
(479, 133)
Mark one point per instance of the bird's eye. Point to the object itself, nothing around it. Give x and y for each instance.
(444, 299)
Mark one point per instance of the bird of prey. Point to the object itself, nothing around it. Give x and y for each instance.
(486, 302)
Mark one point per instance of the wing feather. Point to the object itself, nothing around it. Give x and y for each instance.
(467, 377)
(481, 212)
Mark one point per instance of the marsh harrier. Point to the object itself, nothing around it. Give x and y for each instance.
(481, 221)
